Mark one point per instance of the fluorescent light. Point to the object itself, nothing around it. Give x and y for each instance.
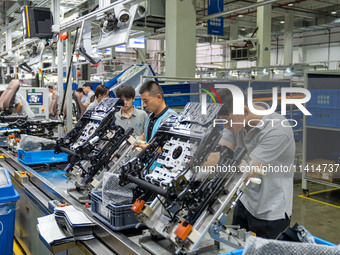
(243, 29)
(253, 73)
(240, 16)
(291, 4)
(333, 12)
(264, 73)
(232, 73)
(282, 21)
(288, 72)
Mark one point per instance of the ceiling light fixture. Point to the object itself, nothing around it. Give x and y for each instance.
(243, 29)
(282, 21)
(275, 71)
(288, 72)
(291, 4)
(333, 12)
(240, 16)
(264, 72)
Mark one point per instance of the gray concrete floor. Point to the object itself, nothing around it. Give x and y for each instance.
(320, 212)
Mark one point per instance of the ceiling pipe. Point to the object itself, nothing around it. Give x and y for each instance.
(225, 13)
(285, 6)
(330, 3)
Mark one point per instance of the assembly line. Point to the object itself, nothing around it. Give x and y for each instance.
(169, 127)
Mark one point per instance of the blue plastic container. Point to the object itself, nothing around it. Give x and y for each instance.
(177, 100)
(41, 157)
(329, 117)
(8, 198)
(176, 88)
(324, 98)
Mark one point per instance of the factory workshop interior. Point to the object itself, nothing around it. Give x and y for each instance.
(169, 127)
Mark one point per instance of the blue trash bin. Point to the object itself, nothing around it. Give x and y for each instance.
(8, 198)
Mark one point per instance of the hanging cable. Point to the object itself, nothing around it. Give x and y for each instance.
(68, 74)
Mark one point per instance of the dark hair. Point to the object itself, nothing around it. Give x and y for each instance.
(152, 87)
(227, 101)
(80, 90)
(50, 87)
(87, 84)
(100, 90)
(125, 91)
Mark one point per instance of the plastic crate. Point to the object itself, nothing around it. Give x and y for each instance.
(116, 217)
(177, 100)
(328, 117)
(176, 89)
(41, 157)
(324, 98)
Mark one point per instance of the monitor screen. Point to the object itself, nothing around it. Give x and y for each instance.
(43, 21)
(37, 22)
(35, 98)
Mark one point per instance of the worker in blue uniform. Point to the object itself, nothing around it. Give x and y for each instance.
(153, 101)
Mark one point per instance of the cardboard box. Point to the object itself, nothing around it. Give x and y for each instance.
(330, 176)
(317, 170)
(312, 164)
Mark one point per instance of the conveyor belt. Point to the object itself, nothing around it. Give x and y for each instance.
(44, 185)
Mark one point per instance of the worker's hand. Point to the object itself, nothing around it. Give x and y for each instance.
(249, 175)
(142, 146)
(18, 108)
(256, 169)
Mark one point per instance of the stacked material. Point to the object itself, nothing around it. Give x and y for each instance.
(74, 221)
(67, 224)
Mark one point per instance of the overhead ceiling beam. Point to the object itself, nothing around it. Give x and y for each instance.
(18, 20)
(2, 17)
(282, 8)
(16, 6)
(226, 13)
(25, 43)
